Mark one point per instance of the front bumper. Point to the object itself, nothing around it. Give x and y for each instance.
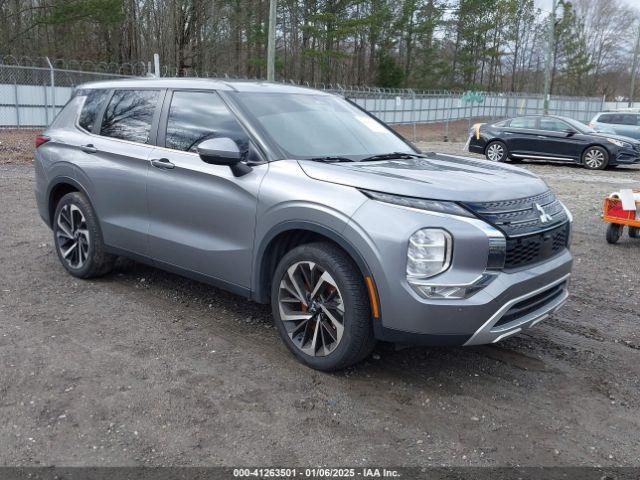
(627, 156)
(514, 300)
(522, 312)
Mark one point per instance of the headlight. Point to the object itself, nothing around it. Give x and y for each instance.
(429, 253)
(619, 143)
(437, 206)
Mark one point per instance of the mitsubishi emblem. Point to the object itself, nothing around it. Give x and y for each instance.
(544, 216)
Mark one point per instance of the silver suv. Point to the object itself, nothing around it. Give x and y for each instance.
(299, 198)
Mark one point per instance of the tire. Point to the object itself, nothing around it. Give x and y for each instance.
(614, 232)
(77, 238)
(496, 151)
(634, 232)
(313, 337)
(595, 158)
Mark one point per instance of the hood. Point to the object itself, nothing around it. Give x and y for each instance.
(622, 138)
(438, 177)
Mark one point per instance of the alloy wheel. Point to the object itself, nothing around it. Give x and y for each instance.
(72, 236)
(311, 308)
(594, 158)
(495, 152)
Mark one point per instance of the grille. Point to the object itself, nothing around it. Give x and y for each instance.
(522, 216)
(532, 304)
(537, 247)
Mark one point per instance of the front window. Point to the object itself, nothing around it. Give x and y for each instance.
(579, 126)
(319, 125)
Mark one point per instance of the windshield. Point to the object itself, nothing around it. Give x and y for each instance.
(311, 126)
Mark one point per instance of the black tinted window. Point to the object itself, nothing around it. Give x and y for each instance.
(91, 108)
(551, 124)
(129, 115)
(523, 122)
(198, 116)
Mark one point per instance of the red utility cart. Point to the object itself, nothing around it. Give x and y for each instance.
(618, 218)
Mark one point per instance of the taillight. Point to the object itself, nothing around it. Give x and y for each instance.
(40, 139)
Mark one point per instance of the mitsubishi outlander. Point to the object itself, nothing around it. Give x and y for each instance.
(299, 198)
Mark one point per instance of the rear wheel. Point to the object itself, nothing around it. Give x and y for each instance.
(595, 158)
(496, 151)
(634, 232)
(78, 239)
(614, 232)
(321, 307)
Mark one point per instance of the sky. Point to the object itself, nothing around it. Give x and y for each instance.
(546, 4)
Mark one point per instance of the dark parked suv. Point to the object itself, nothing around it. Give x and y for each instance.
(298, 198)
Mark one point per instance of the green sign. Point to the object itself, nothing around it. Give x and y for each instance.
(472, 97)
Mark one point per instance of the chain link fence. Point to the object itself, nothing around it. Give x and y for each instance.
(31, 96)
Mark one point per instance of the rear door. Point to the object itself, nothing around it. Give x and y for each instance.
(520, 134)
(119, 149)
(202, 217)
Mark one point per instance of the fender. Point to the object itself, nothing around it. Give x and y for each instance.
(259, 293)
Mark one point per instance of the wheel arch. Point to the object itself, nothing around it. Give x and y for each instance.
(285, 236)
(58, 188)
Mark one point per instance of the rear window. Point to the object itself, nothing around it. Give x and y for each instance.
(129, 115)
(619, 118)
(94, 100)
(523, 122)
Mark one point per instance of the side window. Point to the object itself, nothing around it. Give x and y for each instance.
(129, 114)
(94, 100)
(605, 118)
(197, 116)
(629, 119)
(551, 124)
(523, 122)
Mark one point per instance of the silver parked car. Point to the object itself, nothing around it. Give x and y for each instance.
(299, 198)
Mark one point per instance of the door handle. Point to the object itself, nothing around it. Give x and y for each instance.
(89, 148)
(162, 163)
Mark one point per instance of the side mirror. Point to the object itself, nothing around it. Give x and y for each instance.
(570, 132)
(223, 151)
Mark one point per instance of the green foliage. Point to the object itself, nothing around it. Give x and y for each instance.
(99, 11)
(389, 74)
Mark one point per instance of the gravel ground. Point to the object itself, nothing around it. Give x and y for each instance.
(146, 368)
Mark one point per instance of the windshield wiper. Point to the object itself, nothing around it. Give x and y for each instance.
(392, 156)
(331, 159)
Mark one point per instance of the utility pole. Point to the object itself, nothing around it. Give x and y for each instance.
(271, 45)
(550, 50)
(634, 68)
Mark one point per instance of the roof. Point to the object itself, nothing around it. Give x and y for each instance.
(204, 83)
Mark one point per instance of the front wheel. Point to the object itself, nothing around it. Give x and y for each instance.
(634, 232)
(321, 307)
(595, 158)
(496, 152)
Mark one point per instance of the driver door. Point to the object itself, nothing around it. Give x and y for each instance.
(202, 217)
(560, 140)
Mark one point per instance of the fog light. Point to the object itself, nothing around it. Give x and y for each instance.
(429, 253)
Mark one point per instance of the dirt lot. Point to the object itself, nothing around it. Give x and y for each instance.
(146, 368)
